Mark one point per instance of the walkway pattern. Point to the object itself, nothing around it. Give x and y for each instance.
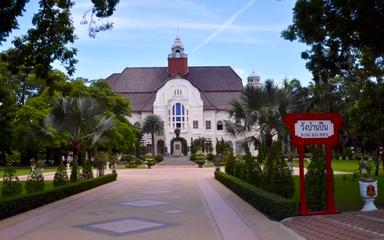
(348, 226)
(154, 204)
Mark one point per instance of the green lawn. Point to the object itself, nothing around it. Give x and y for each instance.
(347, 194)
(20, 171)
(48, 185)
(340, 165)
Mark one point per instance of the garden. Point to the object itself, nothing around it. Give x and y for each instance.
(266, 181)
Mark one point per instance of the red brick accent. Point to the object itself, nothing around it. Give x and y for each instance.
(178, 65)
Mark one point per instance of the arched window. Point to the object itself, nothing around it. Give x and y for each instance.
(177, 53)
(178, 115)
(219, 125)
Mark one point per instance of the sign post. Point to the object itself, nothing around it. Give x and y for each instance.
(314, 128)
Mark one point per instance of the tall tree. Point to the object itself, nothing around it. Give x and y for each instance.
(51, 37)
(345, 37)
(261, 109)
(153, 125)
(81, 118)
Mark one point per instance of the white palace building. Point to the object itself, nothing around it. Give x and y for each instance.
(194, 99)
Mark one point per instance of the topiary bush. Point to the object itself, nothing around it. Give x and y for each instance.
(75, 172)
(35, 180)
(229, 163)
(159, 158)
(200, 158)
(138, 161)
(210, 157)
(101, 158)
(316, 181)
(87, 172)
(11, 185)
(61, 177)
(149, 159)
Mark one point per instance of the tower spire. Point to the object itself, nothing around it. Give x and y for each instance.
(177, 60)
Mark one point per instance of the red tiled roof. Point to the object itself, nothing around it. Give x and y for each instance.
(217, 85)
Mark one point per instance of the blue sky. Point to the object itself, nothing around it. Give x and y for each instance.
(243, 34)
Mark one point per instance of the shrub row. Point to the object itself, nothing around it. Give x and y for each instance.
(272, 205)
(19, 204)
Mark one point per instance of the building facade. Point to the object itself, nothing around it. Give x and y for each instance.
(192, 98)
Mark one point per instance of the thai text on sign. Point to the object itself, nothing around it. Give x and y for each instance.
(314, 128)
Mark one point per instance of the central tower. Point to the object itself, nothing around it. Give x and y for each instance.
(177, 60)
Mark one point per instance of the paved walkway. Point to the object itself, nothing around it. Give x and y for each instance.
(160, 203)
(348, 226)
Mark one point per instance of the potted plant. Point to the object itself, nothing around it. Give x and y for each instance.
(200, 158)
(368, 185)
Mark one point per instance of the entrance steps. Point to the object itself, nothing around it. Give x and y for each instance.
(177, 161)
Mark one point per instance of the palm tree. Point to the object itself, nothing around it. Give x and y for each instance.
(81, 118)
(153, 125)
(261, 109)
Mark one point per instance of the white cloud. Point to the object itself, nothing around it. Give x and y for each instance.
(224, 26)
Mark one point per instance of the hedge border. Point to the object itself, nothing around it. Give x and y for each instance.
(272, 205)
(15, 205)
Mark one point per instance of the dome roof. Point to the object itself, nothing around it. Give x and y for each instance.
(177, 43)
(253, 74)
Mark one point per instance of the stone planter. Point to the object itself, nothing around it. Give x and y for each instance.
(368, 191)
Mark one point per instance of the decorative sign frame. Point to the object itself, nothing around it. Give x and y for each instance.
(315, 128)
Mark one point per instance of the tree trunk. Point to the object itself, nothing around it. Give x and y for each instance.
(153, 144)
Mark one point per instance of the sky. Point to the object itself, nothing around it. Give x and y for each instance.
(243, 34)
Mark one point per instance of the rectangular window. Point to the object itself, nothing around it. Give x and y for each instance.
(207, 124)
(195, 124)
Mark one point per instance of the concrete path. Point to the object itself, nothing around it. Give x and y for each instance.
(348, 226)
(160, 203)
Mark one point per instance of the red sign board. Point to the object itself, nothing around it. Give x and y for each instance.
(314, 128)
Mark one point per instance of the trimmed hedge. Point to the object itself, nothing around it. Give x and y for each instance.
(19, 204)
(272, 205)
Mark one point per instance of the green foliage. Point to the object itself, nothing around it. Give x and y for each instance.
(316, 181)
(275, 177)
(11, 185)
(127, 158)
(153, 125)
(239, 169)
(159, 158)
(101, 158)
(229, 163)
(35, 181)
(252, 170)
(200, 158)
(365, 171)
(341, 43)
(75, 172)
(18, 204)
(149, 159)
(61, 177)
(273, 205)
(219, 160)
(87, 172)
(138, 161)
(223, 146)
(210, 157)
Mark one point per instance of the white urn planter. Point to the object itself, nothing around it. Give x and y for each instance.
(368, 191)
